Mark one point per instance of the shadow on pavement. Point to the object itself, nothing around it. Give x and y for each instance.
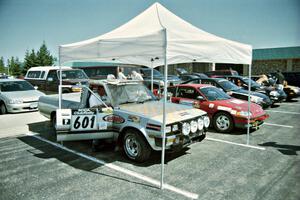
(236, 131)
(107, 152)
(291, 100)
(282, 148)
(46, 151)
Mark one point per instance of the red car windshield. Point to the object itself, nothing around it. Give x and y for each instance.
(213, 93)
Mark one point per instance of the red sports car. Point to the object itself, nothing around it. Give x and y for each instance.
(224, 111)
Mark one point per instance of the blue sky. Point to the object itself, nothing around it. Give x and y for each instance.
(26, 23)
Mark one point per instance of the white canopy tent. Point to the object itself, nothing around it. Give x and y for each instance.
(158, 37)
(143, 38)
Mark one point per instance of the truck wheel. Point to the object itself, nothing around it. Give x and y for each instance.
(2, 109)
(135, 146)
(223, 122)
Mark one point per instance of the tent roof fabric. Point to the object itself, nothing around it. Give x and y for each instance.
(149, 35)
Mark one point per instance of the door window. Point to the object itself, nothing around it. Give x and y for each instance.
(187, 92)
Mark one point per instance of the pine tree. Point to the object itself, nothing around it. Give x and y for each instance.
(2, 66)
(14, 66)
(44, 58)
(30, 60)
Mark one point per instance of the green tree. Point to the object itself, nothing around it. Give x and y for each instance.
(44, 58)
(2, 66)
(14, 66)
(30, 60)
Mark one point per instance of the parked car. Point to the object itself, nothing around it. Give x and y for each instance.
(234, 91)
(291, 92)
(185, 76)
(292, 78)
(131, 115)
(18, 96)
(47, 79)
(217, 73)
(270, 81)
(276, 94)
(3, 76)
(146, 73)
(224, 111)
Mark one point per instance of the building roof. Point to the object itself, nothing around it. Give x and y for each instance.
(276, 53)
(91, 64)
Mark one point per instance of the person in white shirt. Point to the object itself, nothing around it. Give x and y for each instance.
(94, 101)
(136, 76)
(121, 76)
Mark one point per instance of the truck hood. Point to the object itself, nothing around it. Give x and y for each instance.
(154, 111)
(239, 105)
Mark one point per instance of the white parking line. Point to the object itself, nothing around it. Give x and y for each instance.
(120, 169)
(281, 111)
(280, 125)
(243, 145)
(290, 104)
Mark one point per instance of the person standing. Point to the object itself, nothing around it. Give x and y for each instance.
(121, 75)
(280, 77)
(136, 76)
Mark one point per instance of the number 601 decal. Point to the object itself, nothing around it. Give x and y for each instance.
(83, 122)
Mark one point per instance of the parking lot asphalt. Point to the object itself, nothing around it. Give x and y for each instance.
(32, 168)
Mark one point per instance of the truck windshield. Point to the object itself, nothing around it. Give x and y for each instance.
(129, 93)
(73, 74)
(14, 86)
(227, 85)
(213, 93)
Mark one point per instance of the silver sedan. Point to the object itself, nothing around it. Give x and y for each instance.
(17, 95)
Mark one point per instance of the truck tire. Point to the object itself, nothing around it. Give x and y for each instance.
(223, 122)
(135, 147)
(2, 108)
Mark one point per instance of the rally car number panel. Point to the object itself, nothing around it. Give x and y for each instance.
(87, 120)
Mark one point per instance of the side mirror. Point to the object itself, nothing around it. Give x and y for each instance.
(36, 87)
(50, 79)
(200, 98)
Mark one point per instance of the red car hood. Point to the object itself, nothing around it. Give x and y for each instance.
(239, 105)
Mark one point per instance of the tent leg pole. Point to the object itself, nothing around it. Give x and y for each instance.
(151, 76)
(164, 112)
(60, 81)
(249, 102)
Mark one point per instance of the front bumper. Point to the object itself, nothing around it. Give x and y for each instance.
(178, 141)
(255, 122)
(265, 103)
(22, 107)
(291, 93)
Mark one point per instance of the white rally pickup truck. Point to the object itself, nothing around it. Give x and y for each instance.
(129, 114)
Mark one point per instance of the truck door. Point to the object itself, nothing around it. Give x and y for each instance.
(84, 124)
(51, 83)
